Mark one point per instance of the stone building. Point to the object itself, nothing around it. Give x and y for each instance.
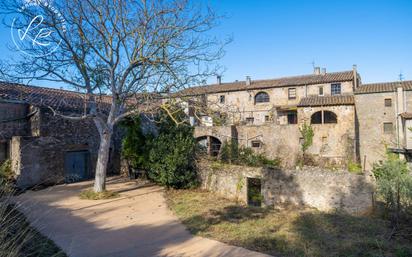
(47, 149)
(384, 112)
(349, 119)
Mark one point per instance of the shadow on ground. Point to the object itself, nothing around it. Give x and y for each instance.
(136, 224)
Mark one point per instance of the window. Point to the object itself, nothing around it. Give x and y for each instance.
(222, 99)
(292, 93)
(292, 118)
(256, 144)
(329, 117)
(262, 97)
(321, 91)
(250, 120)
(323, 117)
(335, 89)
(388, 102)
(387, 127)
(267, 118)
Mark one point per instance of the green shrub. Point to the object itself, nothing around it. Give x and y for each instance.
(232, 153)
(136, 144)
(394, 186)
(307, 135)
(172, 155)
(168, 157)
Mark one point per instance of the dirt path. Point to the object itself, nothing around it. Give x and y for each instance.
(136, 224)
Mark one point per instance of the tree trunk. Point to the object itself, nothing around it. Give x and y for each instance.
(102, 160)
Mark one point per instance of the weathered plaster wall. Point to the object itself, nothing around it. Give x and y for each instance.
(324, 190)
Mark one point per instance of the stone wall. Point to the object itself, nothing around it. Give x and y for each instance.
(321, 189)
(39, 158)
(13, 120)
(333, 144)
(241, 104)
(371, 117)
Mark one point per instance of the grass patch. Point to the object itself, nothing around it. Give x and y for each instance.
(18, 238)
(289, 232)
(89, 194)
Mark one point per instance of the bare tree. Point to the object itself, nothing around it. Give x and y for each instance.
(131, 50)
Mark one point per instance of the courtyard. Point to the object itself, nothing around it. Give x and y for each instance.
(138, 223)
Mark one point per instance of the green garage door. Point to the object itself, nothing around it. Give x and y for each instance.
(76, 167)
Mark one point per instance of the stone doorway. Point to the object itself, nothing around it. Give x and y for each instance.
(254, 192)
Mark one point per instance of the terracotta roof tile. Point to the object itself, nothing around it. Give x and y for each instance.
(270, 83)
(383, 87)
(41, 96)
(327, 100)
(406, 115)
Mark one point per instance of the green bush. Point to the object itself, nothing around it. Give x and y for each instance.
(168, 157)
(136, 144)
(232, 153)
(394, 186)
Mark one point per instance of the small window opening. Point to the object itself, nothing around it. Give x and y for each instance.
(250, 120)
(388, 102)
(256, 144)
(292, 93)
(388, 127)
(222, 99)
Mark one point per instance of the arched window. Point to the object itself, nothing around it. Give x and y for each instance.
(262, 97)
(323, 117)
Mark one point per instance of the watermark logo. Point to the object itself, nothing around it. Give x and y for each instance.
(34, 30)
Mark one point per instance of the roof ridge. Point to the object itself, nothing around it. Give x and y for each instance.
(387, 82)
(278, 78)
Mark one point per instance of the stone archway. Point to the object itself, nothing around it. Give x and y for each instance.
(209, 144)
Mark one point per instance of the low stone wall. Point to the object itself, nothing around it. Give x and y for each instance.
(321, 189)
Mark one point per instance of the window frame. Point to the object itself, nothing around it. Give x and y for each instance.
(322, 117)
(256, 142)
(386, 100)
(321, 89)
(292, 96)
(295, 115)
(248, 119)
(333, 89)
(265, 99)
(391, 128)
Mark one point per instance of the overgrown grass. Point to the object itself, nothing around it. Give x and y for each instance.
(17, 237)
(289, 232)
(89, 194)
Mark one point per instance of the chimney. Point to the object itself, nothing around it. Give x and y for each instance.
(316, 71)
(355, 76)
(219, 79)
(248, 81)
(323, 71)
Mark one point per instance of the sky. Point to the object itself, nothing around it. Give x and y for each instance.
(273, 38)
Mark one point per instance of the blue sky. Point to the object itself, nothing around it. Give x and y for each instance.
(274, 38)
